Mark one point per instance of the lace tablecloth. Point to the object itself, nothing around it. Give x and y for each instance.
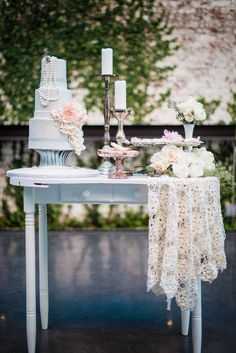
(186, 237)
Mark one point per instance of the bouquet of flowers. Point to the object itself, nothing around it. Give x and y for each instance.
(188, 112)
(174, 161)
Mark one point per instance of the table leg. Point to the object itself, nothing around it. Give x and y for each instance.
(30, 269)
(197, 322)
(185, 315)
(43, 266)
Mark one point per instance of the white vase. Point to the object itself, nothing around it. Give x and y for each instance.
(188, 129)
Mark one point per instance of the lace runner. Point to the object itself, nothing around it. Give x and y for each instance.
(186, 237)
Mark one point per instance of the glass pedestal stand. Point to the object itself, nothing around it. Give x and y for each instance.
(119, 156)
(118, 173)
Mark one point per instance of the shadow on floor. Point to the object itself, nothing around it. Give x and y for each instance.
(98, 298)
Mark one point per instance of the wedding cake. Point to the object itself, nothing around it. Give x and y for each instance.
(51, 95)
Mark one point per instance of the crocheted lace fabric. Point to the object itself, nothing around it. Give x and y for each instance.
(186, 237)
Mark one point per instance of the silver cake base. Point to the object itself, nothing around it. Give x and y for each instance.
(52, 158)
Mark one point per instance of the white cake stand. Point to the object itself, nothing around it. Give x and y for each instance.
(145, 142)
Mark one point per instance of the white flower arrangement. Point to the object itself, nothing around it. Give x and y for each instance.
(175, 161)
(188, 112)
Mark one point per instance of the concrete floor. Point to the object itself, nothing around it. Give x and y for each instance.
(98, 298)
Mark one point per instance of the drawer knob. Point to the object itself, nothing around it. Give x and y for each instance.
(86, 193)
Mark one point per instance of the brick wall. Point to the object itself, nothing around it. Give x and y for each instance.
(206, 60)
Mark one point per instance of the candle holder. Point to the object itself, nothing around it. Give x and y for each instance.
(106, 165)
(121, 115)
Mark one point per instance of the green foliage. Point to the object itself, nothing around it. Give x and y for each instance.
(229, 224)
(94, 219)
(223, 153)
(13, 219)
(15, 195)
(227, 183)
(210, 107)
(137, 30)
(179, 116)
(54, 212)
(231, 109)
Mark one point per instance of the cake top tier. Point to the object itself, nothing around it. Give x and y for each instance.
(53, 73)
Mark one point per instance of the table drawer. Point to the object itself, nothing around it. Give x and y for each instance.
(104, 193)
(125, 193)
(86, 193)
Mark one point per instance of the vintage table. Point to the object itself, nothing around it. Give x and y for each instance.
(62, 185)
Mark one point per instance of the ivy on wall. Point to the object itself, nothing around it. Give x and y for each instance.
(231, 108)
(139, 33)
(210, 106)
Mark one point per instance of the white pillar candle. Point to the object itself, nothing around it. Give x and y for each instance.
(107, 61)
(120, 94)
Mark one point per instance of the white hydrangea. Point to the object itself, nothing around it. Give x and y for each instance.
(159, 162)
(181, 169)
(171, 153)
(185, 108)
(156, 157)
(183, 164)
(161, 166)
(189, 118)
(199, 114)
(192, 110)
(196, 170)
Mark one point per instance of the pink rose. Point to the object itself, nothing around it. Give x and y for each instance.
(69, 111)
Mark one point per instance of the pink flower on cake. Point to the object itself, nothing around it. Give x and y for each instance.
(72, 112)
(69, 111)
(70, 119)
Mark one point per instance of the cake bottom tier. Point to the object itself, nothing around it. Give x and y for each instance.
(44, 135)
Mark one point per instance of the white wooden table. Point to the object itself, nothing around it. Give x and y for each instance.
(63, 185)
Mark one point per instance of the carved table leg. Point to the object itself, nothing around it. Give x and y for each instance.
(43, 266)
(30, 269)
(185, 315)
(197, 322)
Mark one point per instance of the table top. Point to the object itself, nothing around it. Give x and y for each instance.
(33, 177)
(42, 176)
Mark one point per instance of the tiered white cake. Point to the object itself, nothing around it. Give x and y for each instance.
(51, 95)
(56, 128)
